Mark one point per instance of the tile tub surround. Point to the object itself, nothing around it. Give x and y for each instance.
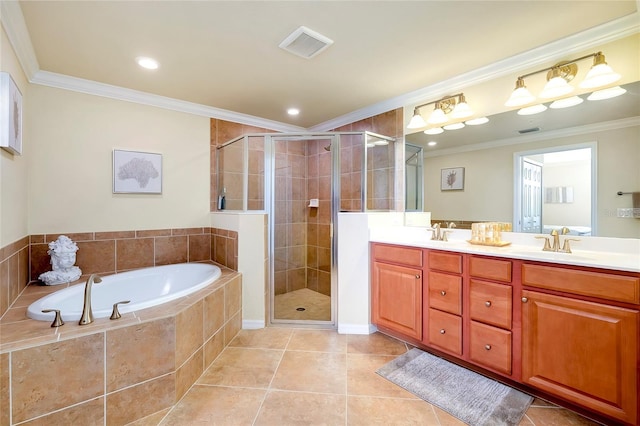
(14, 272)
(86, 374)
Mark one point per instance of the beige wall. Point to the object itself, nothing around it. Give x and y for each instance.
(71, 137)
(13, 168)
(488, 192)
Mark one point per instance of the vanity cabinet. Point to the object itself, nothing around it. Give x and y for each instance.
(490, 313)
(443, 298)
(584, 351)
(396, 289)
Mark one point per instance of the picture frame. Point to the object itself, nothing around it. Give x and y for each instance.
(452, 179)
(136, 172)
(10, 115)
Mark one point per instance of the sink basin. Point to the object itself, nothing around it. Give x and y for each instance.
(550, 255)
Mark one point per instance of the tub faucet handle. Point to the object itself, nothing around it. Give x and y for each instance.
(57, 322)
(115, 314)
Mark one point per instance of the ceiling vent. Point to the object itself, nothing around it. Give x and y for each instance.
(305, 43)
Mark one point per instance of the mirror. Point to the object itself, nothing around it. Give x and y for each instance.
(487, 154)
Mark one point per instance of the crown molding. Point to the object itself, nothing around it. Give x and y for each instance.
(593, 37)
(541, 136)
(15, 27)
(16, 30)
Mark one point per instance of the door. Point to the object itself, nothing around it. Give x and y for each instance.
(531, 219)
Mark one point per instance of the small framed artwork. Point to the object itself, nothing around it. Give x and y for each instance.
(10, 115)
(452, 179)
(137, 172)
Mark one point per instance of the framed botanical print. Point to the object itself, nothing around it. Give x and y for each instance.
(452, 179)
(10, 115)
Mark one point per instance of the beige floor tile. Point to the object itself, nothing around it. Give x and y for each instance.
(244, 367)
(555, 416)
(447, 419)
(318, 340)
(368, 411)
(312, 372)
(301, 408)
(214, 405)
(265, 338)
(525, 421)
(362, 378)
(376, 343)
(152, 420)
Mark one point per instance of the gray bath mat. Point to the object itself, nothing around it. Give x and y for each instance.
(471, 397)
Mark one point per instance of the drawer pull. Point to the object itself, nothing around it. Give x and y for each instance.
(487, 347)
(524, 300)
(444, 293)
(442, 331)
(487, 303)
(417, 276)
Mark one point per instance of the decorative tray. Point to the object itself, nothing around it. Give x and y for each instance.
(492, 244)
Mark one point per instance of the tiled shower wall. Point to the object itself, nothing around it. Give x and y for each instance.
(111, 252)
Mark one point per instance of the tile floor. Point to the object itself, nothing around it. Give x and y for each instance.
(284, 376)
(317, 306)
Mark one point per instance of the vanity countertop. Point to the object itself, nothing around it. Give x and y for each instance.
(621, 254)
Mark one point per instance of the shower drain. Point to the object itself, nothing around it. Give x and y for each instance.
(300, 309)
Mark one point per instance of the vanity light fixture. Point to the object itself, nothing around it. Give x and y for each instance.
(608, 93)
(454, 126)
(445, 109)
(566, 102)
(476, 121)
(533, 109)
(559, 76)
(434, 131)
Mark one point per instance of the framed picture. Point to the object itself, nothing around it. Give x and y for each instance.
(137, 172)
(10, 115)
(452, 179)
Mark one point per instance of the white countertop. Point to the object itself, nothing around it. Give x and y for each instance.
(622, 254)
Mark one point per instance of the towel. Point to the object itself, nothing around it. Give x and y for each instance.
(635, 200)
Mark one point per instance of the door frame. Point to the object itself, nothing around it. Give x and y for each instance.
(517, 181)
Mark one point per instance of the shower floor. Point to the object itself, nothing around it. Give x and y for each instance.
(317, 306)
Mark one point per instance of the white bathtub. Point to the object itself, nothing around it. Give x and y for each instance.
(143, 287)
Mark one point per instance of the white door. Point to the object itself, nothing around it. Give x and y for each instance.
(531, 210)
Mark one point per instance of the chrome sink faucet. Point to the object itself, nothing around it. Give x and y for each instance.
(87, 313)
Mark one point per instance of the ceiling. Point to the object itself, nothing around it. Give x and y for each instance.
(225, 54)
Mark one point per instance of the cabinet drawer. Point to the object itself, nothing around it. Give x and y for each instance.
(587, 283)
(445, 292)
(492, 269)
(396, 254)
(490, 303)
(445, 331)
(490, 346)
(447, 262)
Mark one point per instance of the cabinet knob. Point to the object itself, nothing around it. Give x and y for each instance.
(487, 347)
(417, 276)
(444, 293)
(525, 300)
(487, 303)
(442, 331)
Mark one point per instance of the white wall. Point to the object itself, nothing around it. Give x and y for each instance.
(70, 138)
(13, 168)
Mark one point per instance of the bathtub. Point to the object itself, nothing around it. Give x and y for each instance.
(145, 288)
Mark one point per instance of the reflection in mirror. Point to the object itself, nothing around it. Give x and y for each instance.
(413, 177)
(487, 153)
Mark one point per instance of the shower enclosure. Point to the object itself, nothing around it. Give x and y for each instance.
(302, 181)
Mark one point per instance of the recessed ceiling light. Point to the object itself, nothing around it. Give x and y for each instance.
(293, 111)
(148, 63)
(432, 143)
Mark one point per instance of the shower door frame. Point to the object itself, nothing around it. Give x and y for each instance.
(269, 199)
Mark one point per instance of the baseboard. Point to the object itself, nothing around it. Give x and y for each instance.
(252, 324)
(356, 328)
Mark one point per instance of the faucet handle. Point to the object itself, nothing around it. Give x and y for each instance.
(564, 230)
(566, 248)
(547, 245)
(451, 225)
(115, 314)
(57, 322)
(444, 235)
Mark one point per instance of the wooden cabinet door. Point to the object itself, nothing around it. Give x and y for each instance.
(397, 298)
(582, 351)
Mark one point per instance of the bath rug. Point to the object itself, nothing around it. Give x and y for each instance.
(471, 397)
